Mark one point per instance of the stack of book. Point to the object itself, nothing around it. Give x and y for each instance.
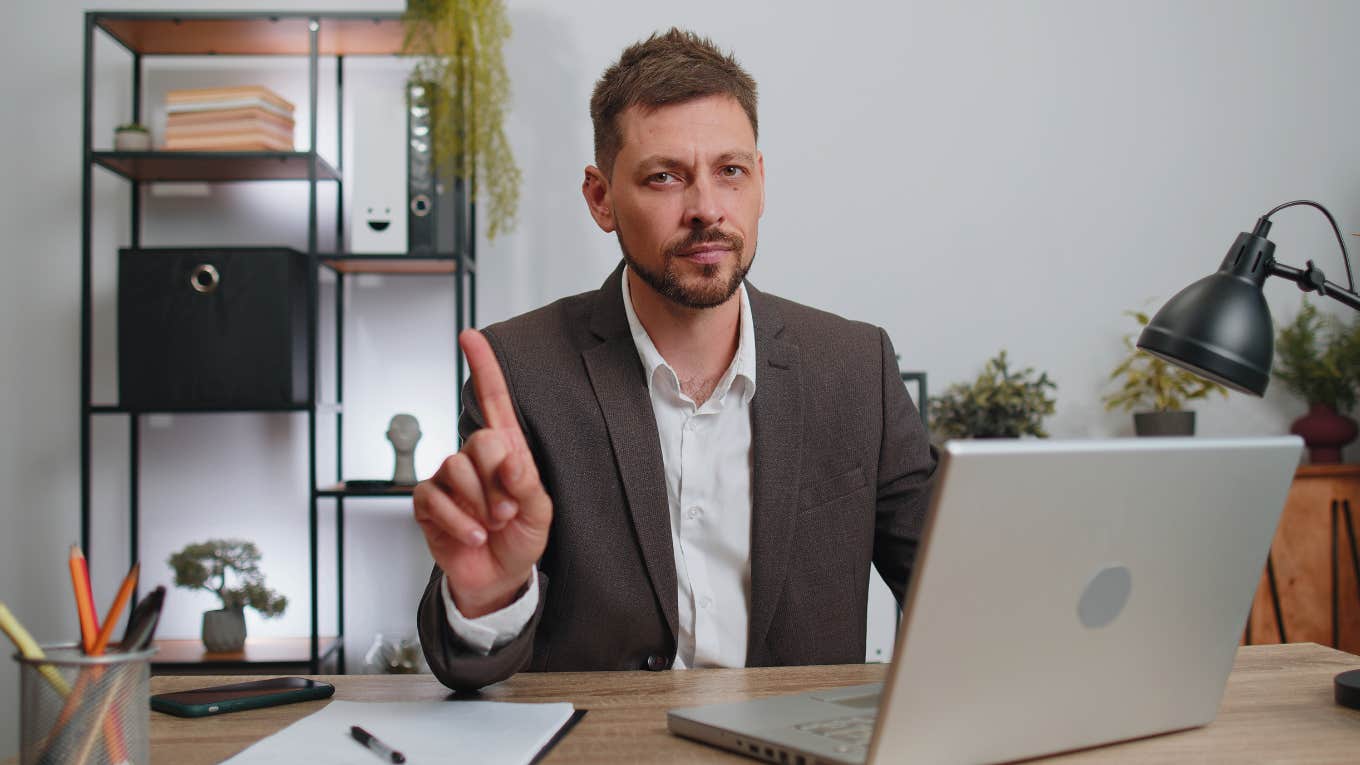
(244, 118)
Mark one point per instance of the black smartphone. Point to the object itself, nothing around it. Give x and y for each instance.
(234, 698)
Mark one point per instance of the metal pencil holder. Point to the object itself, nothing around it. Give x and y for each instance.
(84, 710)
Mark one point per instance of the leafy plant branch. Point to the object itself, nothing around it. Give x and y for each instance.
(217, 563)
(1154, 384)
(1317, 357)
(1000, 403)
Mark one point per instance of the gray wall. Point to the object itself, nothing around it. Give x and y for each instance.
(970, 175)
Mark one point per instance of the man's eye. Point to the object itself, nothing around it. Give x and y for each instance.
(733, 171)
(662, 177)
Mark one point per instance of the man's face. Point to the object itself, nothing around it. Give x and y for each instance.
(685, 197)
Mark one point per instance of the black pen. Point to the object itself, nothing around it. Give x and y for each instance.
(379, 748)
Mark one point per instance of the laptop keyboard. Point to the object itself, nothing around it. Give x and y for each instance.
(849, 730)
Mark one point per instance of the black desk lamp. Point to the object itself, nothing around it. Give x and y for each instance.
(1220, 329)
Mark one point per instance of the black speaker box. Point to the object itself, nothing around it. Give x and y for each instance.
(212, 328)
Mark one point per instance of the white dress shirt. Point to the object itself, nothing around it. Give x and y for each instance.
(706, 451)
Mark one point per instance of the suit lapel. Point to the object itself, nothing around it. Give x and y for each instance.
(620, 387)
(776, 442)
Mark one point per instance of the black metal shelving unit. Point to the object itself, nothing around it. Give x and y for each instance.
(309, 34)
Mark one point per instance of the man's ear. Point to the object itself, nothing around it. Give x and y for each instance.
(760, 168)
(595, 188)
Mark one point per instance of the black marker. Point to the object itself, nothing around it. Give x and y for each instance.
(142, 623)
(379, 748)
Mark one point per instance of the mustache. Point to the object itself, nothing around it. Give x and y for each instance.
(706, 236)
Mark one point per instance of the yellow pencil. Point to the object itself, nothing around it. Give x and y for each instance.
(117, 751)
(30, 650)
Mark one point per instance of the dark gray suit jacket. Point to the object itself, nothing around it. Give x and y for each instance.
(841, 476)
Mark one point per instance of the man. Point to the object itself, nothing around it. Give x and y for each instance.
(676, 470)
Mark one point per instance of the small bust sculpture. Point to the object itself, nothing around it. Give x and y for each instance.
(404, 433)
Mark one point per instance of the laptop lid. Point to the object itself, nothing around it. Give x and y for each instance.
(1075, 593)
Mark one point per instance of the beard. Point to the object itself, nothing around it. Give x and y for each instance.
(711, 291)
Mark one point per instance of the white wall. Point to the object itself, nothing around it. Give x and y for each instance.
(971, 176)
(981, 175)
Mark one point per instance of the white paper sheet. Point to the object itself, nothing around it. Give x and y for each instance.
(427, 732)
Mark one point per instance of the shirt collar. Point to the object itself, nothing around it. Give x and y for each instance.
(743, 362)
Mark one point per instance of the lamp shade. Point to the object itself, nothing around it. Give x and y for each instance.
(1220, 327)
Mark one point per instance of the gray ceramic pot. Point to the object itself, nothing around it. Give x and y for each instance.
(224, 630)
(1164, 423)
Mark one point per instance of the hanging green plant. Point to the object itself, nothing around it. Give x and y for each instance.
(459, 49)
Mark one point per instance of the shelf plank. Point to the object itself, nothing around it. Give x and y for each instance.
(341, 490)
(262, 34)
(212, 166)
(391, 264)
(120, 409)
(257, 651)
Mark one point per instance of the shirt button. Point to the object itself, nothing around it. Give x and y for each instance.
(706, 602)
(695, 513)
(656, 662)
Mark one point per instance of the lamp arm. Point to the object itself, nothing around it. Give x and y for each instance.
(1311, 279)
(1263, 226)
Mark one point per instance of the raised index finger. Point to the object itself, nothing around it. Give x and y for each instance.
(487, 380)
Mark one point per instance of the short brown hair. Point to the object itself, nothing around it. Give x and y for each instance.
(668, 68)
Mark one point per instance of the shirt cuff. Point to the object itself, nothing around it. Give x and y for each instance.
(491, 631)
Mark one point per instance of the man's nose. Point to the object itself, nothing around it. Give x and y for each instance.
(702, 206)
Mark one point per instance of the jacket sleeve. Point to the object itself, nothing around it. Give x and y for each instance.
(456, 664)
(459, 666)
(906, 473)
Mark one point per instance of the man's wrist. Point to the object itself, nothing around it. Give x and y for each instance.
(476, 606)
(494, 630)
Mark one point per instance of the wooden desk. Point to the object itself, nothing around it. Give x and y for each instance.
(1278, 708)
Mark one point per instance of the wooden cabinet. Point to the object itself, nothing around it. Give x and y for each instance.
(1314, 564)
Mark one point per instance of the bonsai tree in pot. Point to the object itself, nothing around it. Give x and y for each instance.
(1317, 358)
(1156, 391)
(230, 569)
(1000, 403)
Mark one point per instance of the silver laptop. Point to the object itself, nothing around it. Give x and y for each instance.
(1066, 595)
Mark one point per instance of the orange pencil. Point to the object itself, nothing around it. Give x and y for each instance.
(116, 609)
(80, 582)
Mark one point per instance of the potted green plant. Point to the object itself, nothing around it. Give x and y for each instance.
(230, 569)
(1156, 391)
(131, 136)
(1000, 403)
(458, 45)
(1317, 357)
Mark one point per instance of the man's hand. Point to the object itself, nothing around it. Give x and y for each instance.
(485, 514)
